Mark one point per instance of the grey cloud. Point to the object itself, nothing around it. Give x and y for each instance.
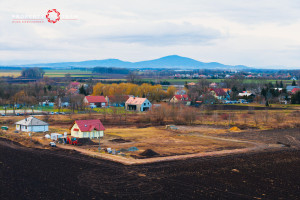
(167, 34)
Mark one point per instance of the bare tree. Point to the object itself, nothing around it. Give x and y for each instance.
(132, 77)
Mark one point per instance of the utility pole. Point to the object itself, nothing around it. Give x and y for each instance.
(30, 134)
(229, 120)
(99, 148)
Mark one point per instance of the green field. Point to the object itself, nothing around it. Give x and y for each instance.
(182, 81)
(52, 73)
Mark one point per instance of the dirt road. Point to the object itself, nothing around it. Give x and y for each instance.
(63, 174)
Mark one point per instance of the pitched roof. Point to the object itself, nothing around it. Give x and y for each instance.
(295, 90)
(72, 91)
(96, 99)
(290, 87)
(184, 97)
(31, 121)
(136, 100)
(226, 89)
(219, 91)
(90, 125)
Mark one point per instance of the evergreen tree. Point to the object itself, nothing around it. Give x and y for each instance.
(267, 103)
(82, 91)
(294, 83)
(295, 99)
(186, 85)
(281, 84)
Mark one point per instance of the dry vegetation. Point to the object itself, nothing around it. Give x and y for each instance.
(147, 130)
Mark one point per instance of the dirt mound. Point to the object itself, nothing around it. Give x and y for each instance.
(149, 153)
(119, 140)
(86, 141)
(234, 129)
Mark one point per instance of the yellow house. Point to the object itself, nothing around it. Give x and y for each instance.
(87, 129)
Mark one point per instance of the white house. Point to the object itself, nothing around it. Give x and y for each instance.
(32, 124)
(87, 129)
(138, 104)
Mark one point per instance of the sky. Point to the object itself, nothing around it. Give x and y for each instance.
(256, 33)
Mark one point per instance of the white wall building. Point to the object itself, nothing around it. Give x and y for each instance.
(32, 124)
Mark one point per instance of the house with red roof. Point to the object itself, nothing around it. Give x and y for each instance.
(138, 104)
(95, 101)
(75, 85)
(87, 129)
(72, 91)
(185, 99)
(295, 90)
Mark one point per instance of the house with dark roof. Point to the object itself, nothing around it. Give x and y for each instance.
(220, 94)
(32, 124)
(87, 129)
(138, 104)
(95, 101)
(185, 99)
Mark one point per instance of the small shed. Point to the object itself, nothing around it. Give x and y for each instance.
(55, 136)
(32, 124)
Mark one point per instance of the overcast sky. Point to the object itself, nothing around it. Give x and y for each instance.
(259, 33)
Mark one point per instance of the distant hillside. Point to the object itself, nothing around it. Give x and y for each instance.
(172, 61)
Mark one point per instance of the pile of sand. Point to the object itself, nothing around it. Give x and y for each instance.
(234, 129)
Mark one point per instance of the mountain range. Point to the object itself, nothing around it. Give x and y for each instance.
(172, 61)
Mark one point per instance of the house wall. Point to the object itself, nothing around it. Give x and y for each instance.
(141, 107)
(32, 128)
(174, 100)
(146, 104)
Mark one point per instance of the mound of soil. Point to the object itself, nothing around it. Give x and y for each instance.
(119, 140)
(86, 141)
(149, 153)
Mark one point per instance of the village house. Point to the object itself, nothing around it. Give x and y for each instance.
(32, 124)
(138, 104)
(295, 90)
(185, 99)
(46, 103)
(213, 85)
(245, 94)
(95, 101)
(289, 88)
(220, 94)
(87, 129)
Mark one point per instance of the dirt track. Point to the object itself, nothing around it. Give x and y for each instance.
(62, 174)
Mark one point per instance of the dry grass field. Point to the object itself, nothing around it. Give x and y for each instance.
(187, 139)
(164, 142)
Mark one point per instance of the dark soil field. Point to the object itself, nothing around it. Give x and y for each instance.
(268, 136)
(27, 173)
